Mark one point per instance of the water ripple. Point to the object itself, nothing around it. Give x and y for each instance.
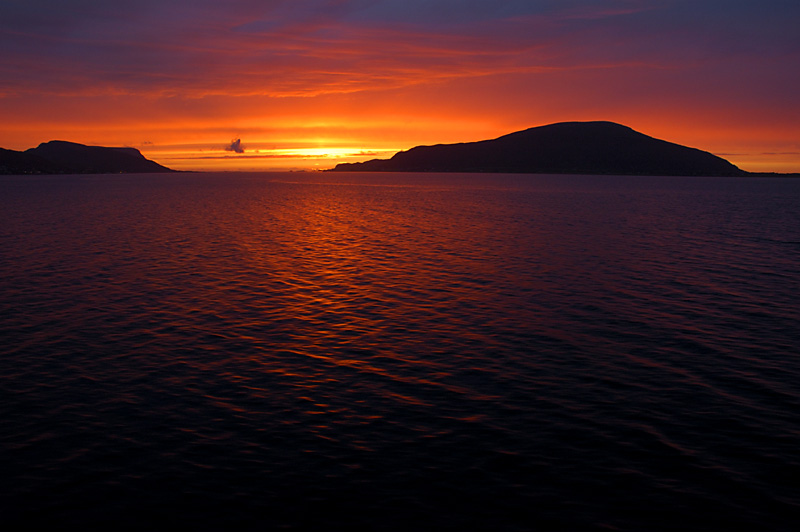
(456, 352)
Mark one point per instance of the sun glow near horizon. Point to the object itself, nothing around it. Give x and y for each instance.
(259, 156)
(316, 153)
(309, 145)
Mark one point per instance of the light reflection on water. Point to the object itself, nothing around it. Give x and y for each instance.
(383, 351)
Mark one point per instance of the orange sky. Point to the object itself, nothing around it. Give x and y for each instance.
(311, 83)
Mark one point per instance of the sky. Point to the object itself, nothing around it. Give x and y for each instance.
(306, 84)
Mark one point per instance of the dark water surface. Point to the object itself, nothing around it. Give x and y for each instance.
(400, 352)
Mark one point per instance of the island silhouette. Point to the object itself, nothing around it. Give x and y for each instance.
(62, 157)
(561, 148)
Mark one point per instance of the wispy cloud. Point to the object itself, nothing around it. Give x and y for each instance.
(317, 47)
(235, 146)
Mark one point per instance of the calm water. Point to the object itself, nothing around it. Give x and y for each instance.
(400, 352)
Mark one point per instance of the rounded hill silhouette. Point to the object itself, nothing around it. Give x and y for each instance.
(562, 148)
(62, 157)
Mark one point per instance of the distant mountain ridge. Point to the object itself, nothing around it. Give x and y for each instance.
(62, 157)
(561, 148)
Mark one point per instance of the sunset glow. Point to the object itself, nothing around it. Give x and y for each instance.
(306, 85)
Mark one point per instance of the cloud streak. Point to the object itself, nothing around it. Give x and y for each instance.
(313, 48)
(292, 49)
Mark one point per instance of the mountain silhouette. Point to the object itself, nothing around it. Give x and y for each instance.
(562, 148)
(61, 157)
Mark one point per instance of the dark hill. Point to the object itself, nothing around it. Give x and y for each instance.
(61, 157)
(563, 148)
(18, 162)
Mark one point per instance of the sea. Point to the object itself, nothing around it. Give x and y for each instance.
(402, 352)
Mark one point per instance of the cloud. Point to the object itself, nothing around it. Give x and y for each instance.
(321, 47)
(235, 146)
